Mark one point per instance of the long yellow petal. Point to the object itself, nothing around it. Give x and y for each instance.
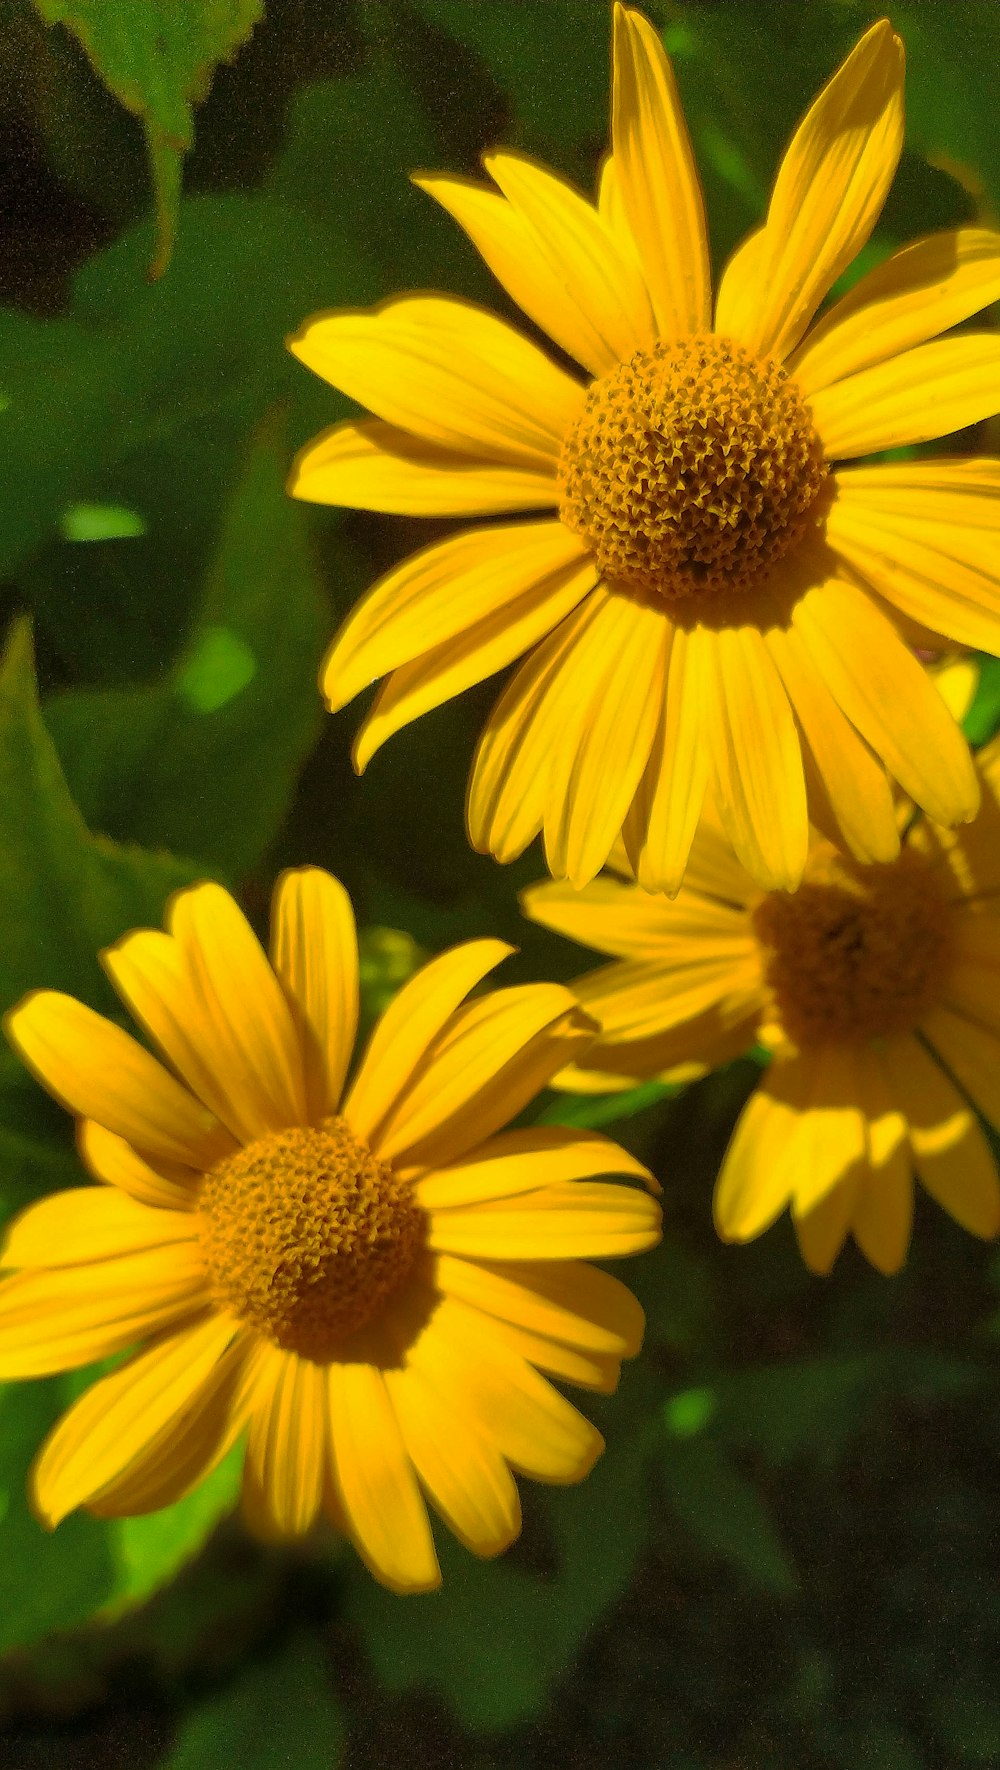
(369, 465)
(754, 1183)
(757, 755)
(891, 700)
(451, 373)
(375, 1483)
(658, 178)
(922, 393)
(257, 1051)
(581, 1220)
(587, 1370)
(661, 825)
(883, 1214)
(971, 1053)
(111, 1159)
(466, 1478)
(616, 681)
(564, 1299)
(521, 1161)
(98, 1071)
(532, 1425)
(493, 1056)
(410, 1026)
(315, 953)
(90, 1223)
(637, 1000)
(57, 1320)
(827, 196)
(287, 1448)
(613, 916)
(950, 1153)
(438, 594)
(490, 645)
(926, 288)
(822, 1231)
(125, 1416)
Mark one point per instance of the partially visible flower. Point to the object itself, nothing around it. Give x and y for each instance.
(363, 1280)
(720, 598)
(876, 988)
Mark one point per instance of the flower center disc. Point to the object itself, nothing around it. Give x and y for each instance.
(692, 468)
(857, 952)
(305, 1234)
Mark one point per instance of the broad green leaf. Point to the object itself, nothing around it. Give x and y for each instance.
(281, 1714)
(596, 1110)
(205, 761)
(158, 59)
(724, 1512)
(983, 716)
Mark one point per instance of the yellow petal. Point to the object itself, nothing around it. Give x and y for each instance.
(521, 1161)
(90, 1223)
(883, 1214)
(950, 1153)
(127, 1416)
(257, 1051)
(661, 825)
(926, 288)
(755, 1182)
(851, 784)
(926, 392)
(111, 1159)
(822, 1231)
(588, 1370)
(891, 700)
(493, 1056)
(98, 1071)
(451, 373)
(827, 196)
(928, 559)
(315, 954)
(510, 772)
(58, 1320)
(375, 1483)
(410, 1026)
(532, 1425)
(971, 1053)
(490, 645)
(641, 999)
(565, 1300)
(582, 1220)
(757, 754)
(369, 465)
(439, 594)
(286, 1448)
(467, 1480)
(616, 680)
(657, 177)
(828, 1148)
(613, 916)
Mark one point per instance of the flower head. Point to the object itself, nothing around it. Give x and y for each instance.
(876, 987)
(368, 1281)
(720, 597)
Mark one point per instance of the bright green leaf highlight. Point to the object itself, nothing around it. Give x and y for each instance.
(100, 522)
(158, 57)
(689, 1412)
(220, 665)
(594, 1110)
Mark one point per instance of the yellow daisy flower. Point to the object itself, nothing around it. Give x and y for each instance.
(717, 599)
(363, 1280)
(876, 987)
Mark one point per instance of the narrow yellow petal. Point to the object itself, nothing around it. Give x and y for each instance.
(950, 1153)
(370, 465)
(467, 1480)
(827, 196)
(287, 1448)
(315, 953)
(109, 1158)
(613, 916)
(564, 1299)
(757, 754)
(410, 1026)
(883, 1214)
(440, 593)
(90, 1223)
(657, 177)
(971, 1053)
(451, 373)
(582, 1220)
(822, 1230)
(126, 1416)
(521, 1161)
(375, 1482)
(56, 1320)
(924, 289)
(98, 1071)
(660, 828)
(754, 1184)
(926, 392)
(587, 1370)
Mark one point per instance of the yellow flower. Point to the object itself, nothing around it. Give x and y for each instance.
(716, 599)
(877, 988)
(365, 1280)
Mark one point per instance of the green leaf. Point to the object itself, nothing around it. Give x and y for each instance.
(158, 59)
(205, 761)
(281, 1714)
(594, 1110)
(725, 1513)
(983, 716)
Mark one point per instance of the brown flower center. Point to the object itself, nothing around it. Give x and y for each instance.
(692, 468)
(305, 1235)
(858, 952)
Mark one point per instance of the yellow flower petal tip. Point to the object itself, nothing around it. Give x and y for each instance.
(372, 1282)
(873, 989)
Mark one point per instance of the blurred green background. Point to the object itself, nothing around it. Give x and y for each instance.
(788, 1558)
